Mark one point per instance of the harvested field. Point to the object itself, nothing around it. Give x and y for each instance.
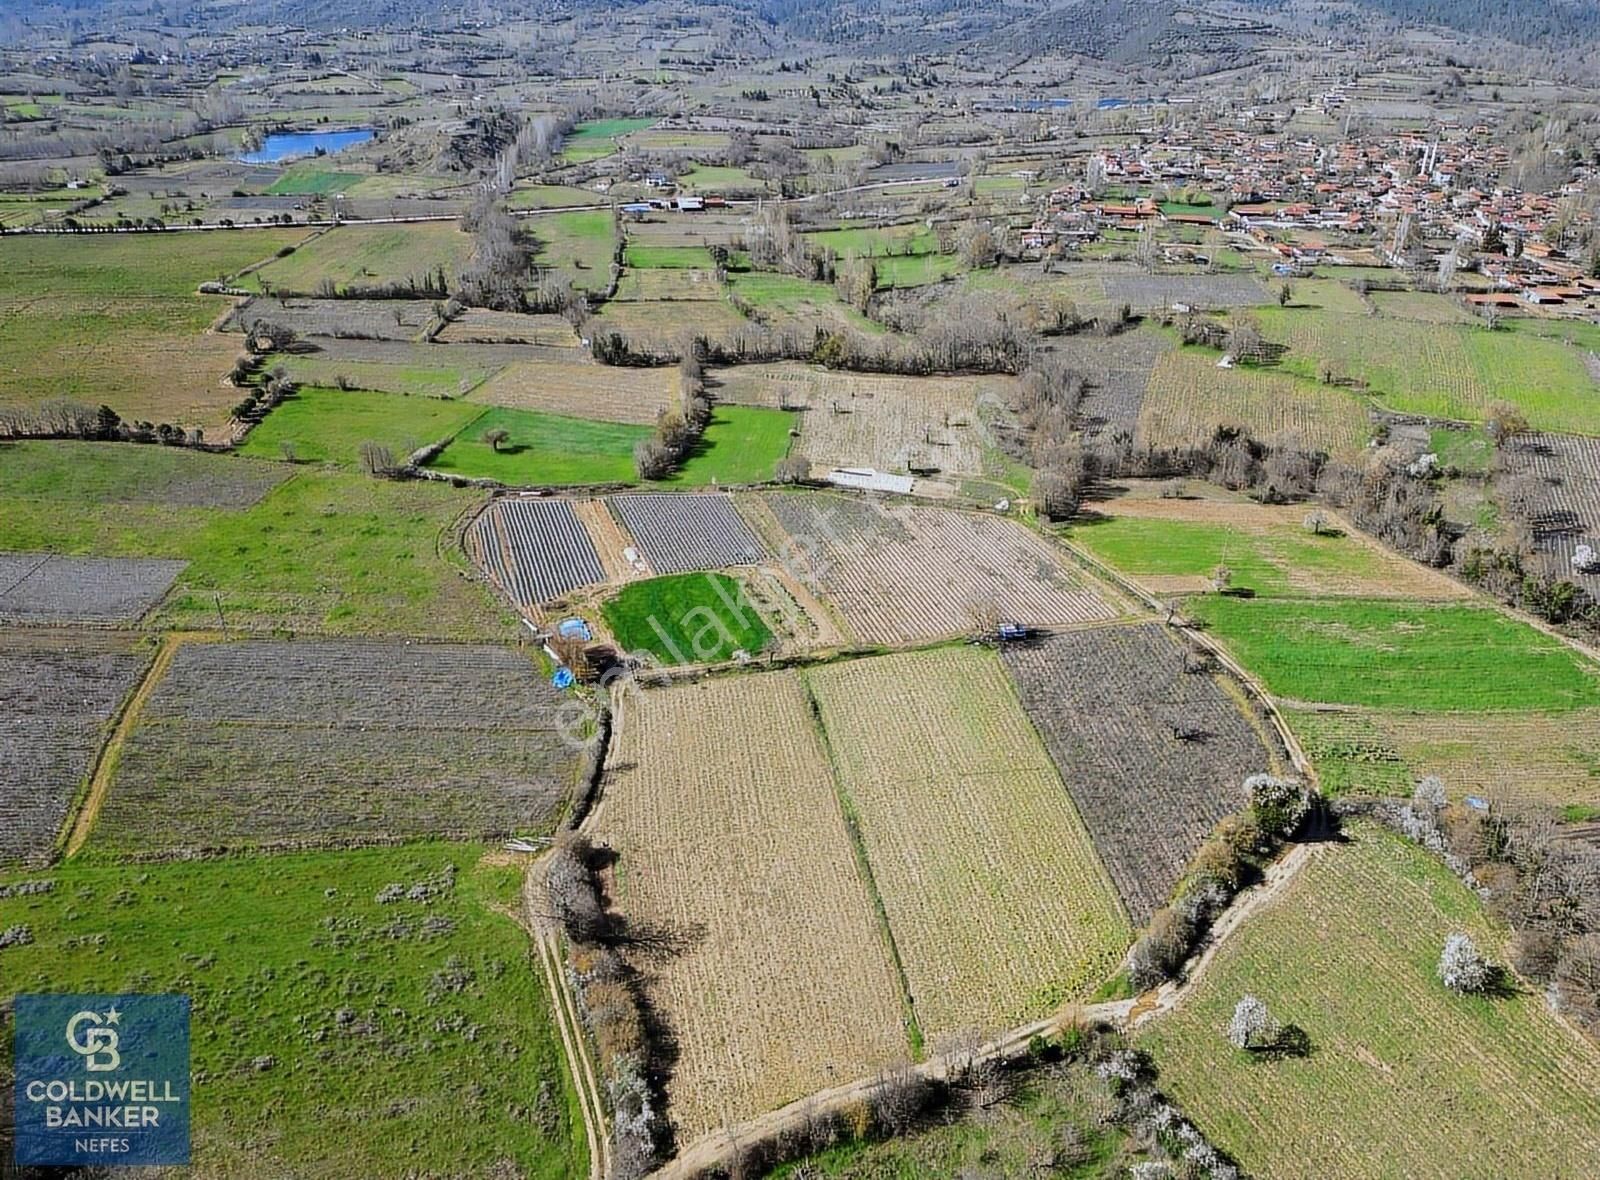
(58, 692)
(1567, 507)
(669, 285)
(477, 325)
(661, 326)
(534, 550)
(1173, 545)
(263, 744)
(1202, 291)
(1118, 369)
(1521, 757)
(679, 533)
(1153, 754)
(703, 229)
(1189, 397)
(999, 905)
(49, 588)
(718, 801)
(858, 420)
(1347, 951)
(363, 319)
(908, 573)
(583, 390)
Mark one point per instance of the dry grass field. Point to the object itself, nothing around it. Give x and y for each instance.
(1189, 397)
(353, 256)
(582, 390)
(1404, 1078)
(1523, 757)
(663, 325)
(720, 806)
(477, 325)
(909, 573)
(1000, 907)
(860, 420)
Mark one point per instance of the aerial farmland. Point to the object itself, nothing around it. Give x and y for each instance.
(830, 591)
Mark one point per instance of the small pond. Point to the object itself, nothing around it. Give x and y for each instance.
(295, 145)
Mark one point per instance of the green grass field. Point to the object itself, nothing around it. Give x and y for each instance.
(550, 196)
(544, 449)
(331, 1033)
(1348, 952)
(669, 257)
(741, 444)
(788, 295)
(435, 381)
(1441, 369)
(1400, 655)
(329, 425)
(697, 618)
(578, 245)
(283, 549)
(1280, 558)
(593, 140)
(132, 265)
(313, 179)
(370, 255)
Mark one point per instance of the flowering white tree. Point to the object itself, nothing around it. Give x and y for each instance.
(1462, 966)
(1429, 792)
(1253, 1026)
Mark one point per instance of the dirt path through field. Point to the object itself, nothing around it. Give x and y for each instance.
(106, 765)
(718, 1147)
(547, 939)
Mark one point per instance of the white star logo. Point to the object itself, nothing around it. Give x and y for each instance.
(113, 1016)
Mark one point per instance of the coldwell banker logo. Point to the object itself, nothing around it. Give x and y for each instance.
(102, 1079)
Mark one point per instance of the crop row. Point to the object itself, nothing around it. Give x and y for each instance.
(535, 550)
(677, 534)
(49, 588)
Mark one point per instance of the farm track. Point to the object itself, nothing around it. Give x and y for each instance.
(105, 766)
(720, 1146)
(580, 1066)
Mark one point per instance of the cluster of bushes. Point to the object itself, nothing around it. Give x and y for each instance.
(262, 396)
(1542, 885)
(69, 419)
(678, 428)
(610, 1003)
(502, 258)
(1230, 859)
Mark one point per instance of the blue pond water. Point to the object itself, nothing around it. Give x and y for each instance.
(293, 145)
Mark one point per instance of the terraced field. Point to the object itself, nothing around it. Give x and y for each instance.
(911, 573)
(60, 690)
(50, 588)
(1348, 952)
(1153, 754)
(534, 550)
(719, 804)
(259, 744)
(998, 903)
(676, 533)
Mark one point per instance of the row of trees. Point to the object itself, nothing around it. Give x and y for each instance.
(679, 427)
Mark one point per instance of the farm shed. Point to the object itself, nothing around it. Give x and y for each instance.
(867, 479)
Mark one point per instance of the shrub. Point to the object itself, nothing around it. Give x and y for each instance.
(1278, 805)
(1252, 1025)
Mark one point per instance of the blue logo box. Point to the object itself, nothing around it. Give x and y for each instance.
(102, 1079)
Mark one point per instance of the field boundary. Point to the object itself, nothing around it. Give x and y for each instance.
(851, 817)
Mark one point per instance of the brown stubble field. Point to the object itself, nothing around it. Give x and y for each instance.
(718, 802)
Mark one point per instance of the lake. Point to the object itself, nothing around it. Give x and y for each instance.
(293, 145)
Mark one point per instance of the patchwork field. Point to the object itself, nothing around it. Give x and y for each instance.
(787, 300)
(1520, 757)
(257, 744)
(1173, 545)
(662, 325)
(719, 804)
(693, 618)
(860, 420)
(1442, 370)
(370, 319)
(1190, 397)
(117, 321)
(50, 588)
(304, 971)
(61, 690)
(669, 285)
(1347, 952)
(676, 533)
(1154, 754)
(479, 325)
(535, 550)
(998, 903)
(1425, 658)
(910, 573)
(355, 256)
(330, 425)
(583, 390)
(740, 445)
